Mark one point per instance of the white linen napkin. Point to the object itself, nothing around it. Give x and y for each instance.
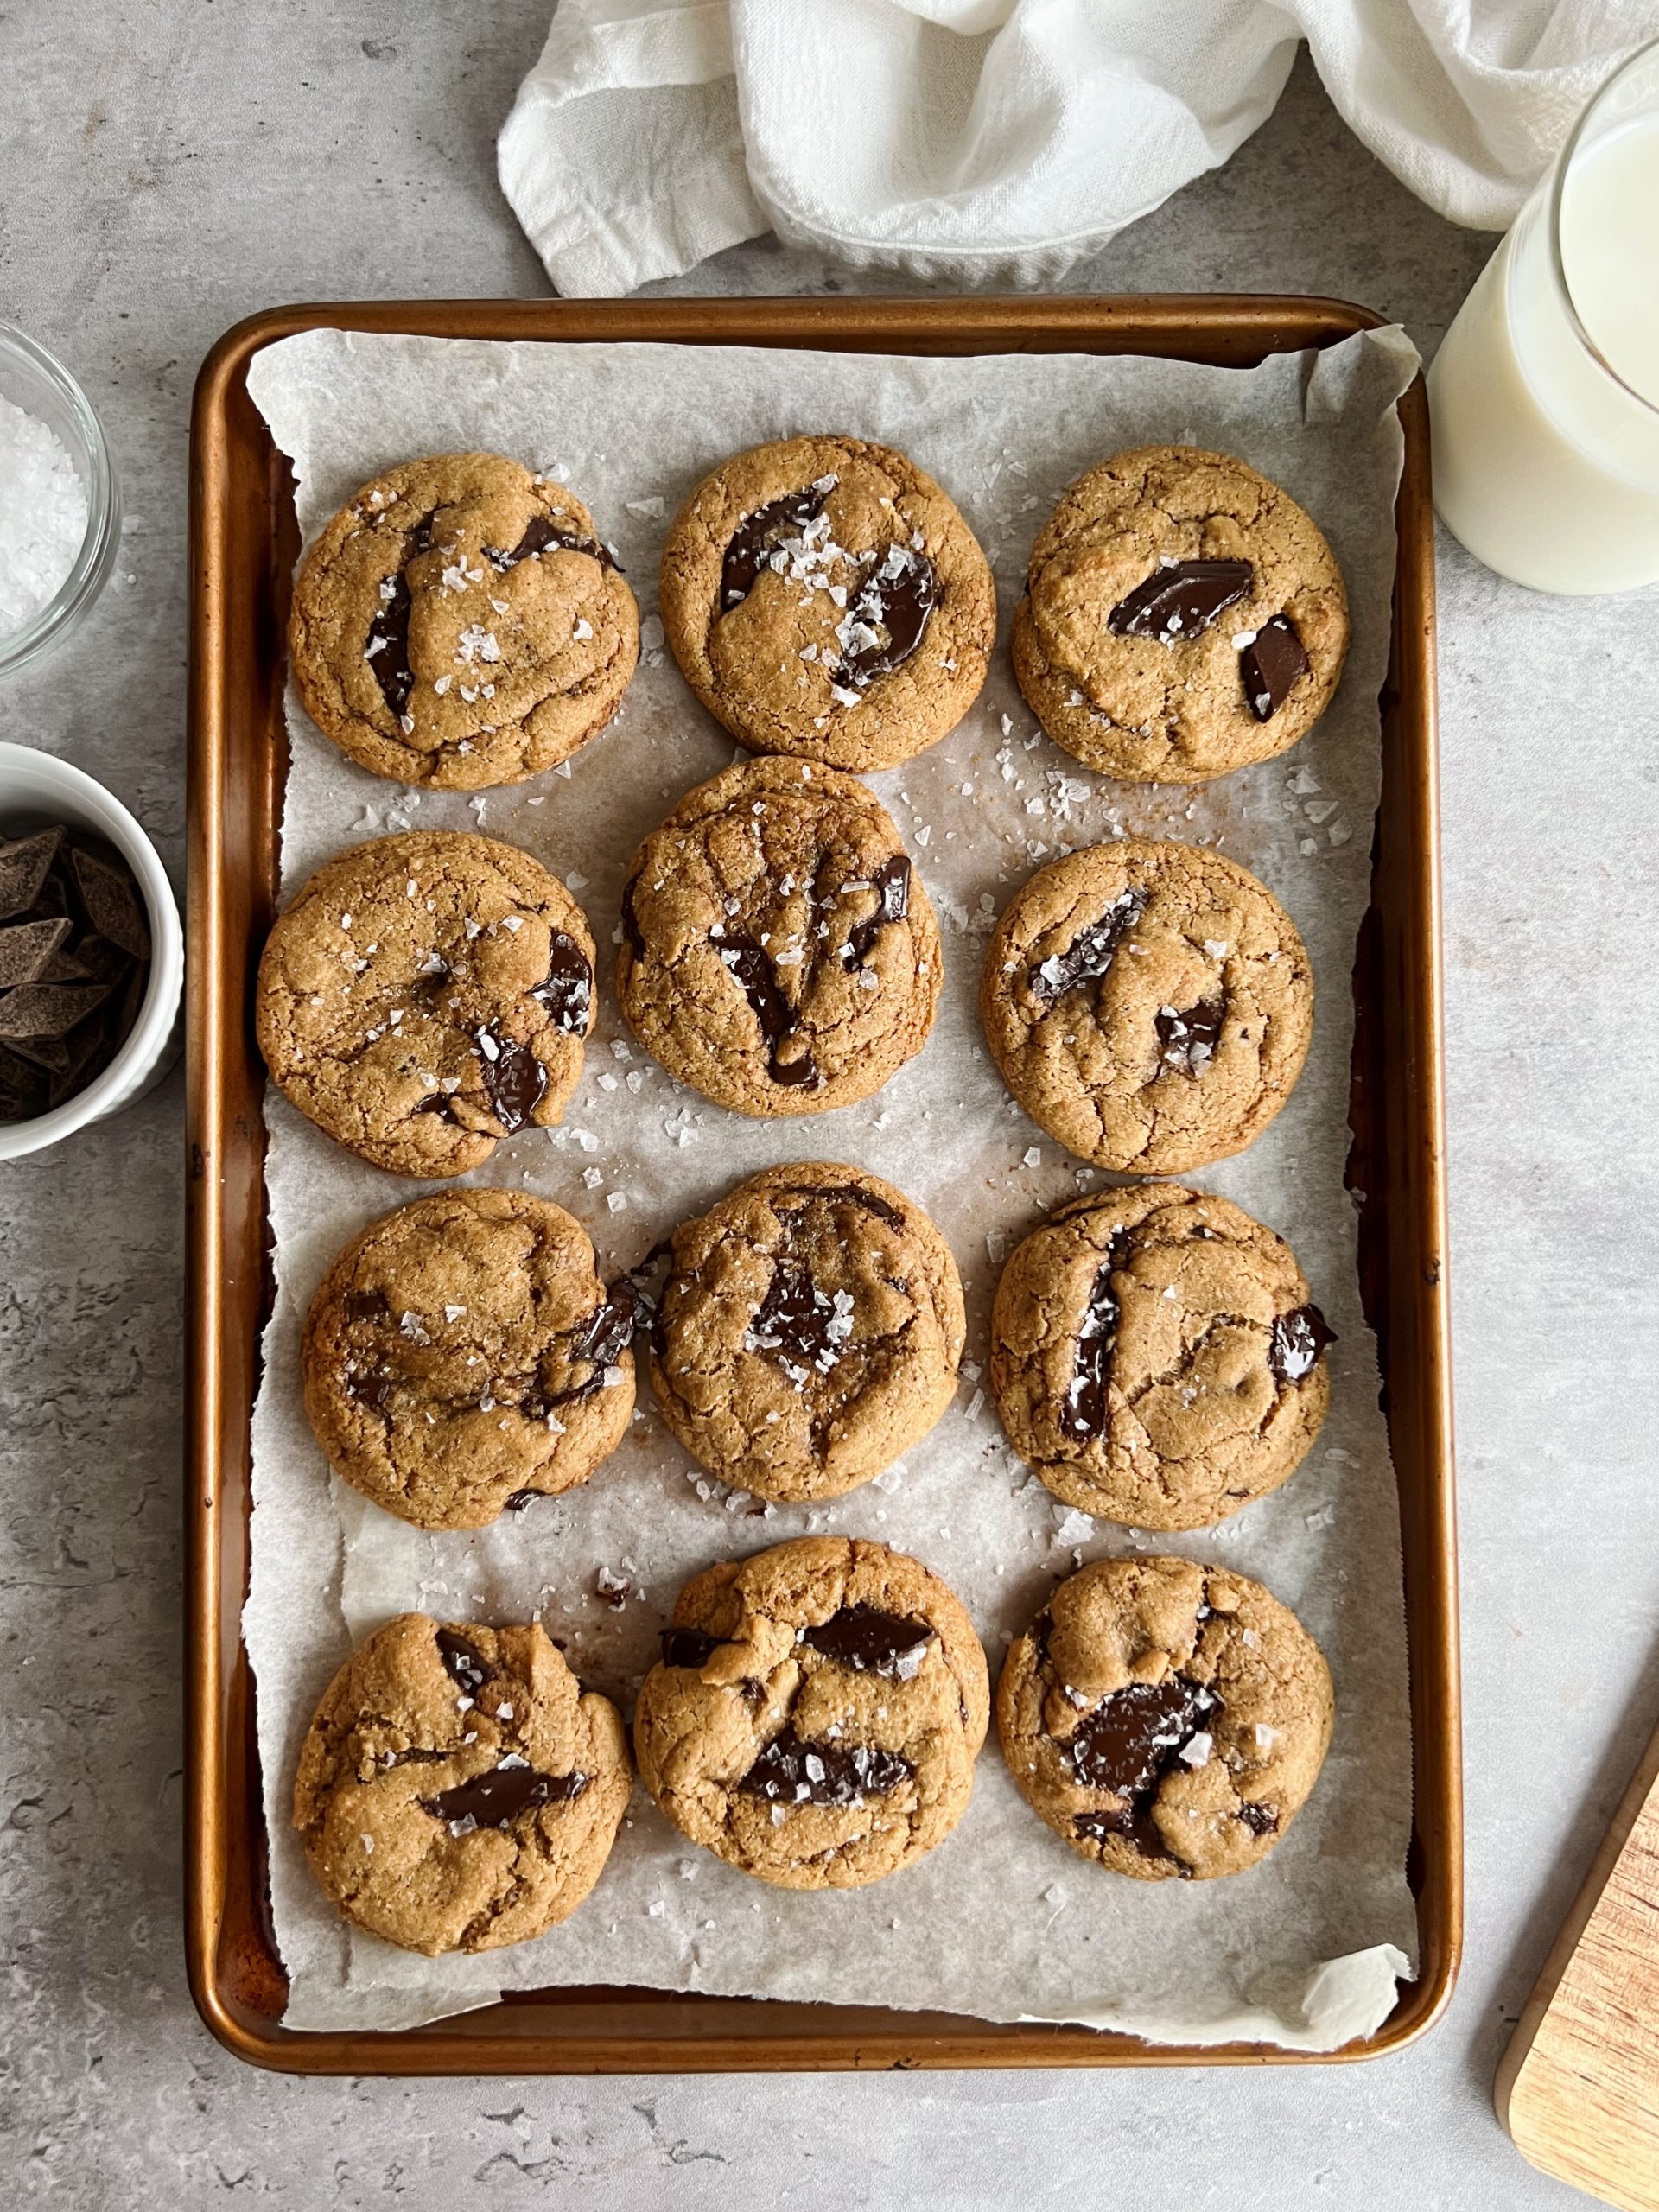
(1002, 140)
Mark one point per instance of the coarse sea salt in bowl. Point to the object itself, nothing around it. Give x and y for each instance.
(59, 504)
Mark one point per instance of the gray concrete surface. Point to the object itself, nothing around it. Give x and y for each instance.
(166, 166)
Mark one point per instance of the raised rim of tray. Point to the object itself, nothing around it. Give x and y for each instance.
(651, 2031)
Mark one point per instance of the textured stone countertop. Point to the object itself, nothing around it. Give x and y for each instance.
(168, 168)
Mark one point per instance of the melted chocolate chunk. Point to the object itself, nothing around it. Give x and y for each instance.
(1084, 1414)
(387, 647)
(521, 1498)
(1260, 1820)
(1091, 952)
(1132, 1738)
(892, 884)
(514, 1076)
(540, 533)
(463, 1662)
(687, 1647)
(791, 1772)
(886, 617)
(495, 1798)
(567, 989)
(1270, 665)
(366, 1306)
(370, 1386)
(751, 965)
(760, 534)
(631, 929)
(1188, 1041)
(871, 1642)
(1296, 1341)
(795, 1321)
(602, 1343)
(1181, 600)
(847, 1194)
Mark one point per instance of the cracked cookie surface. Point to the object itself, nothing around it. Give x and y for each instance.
(1148, 1004)
(1156, 1358)
(457, 1790)
(778, 952)
(463, 1355)
(1183, 617)
(459, 624)
(809, 1332)
(817, 1713)
(425, 995)
(1167, 1721)
(824, 598)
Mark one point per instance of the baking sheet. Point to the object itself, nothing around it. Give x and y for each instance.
(1002, 1921)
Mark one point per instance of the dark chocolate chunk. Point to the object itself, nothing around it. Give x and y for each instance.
(606, 1336)
(871, 1642)
(104, 962)
(761, 534)
(1181, 600)
(370, 1386)
(366, 1306)
(1091, 953)
(50, 1053)
(112, 900)
(386, 648)
(1260, 1820)
(886, 617)
(1084, 1414)
(27, 949)
(1270, 666)
(540, 533)
(752, 964)
(631, 929)
(892, 885)
(48, 1009)
(1296, 1341)
(1188, 1039)
(24, 866)
(519, 1499)
(687, 1647)
(495, 1798)
(464, 1662)
(567, 989)
(846, 1194)
(1133, 1737)
(791, 1772)
(514, 1076)
(797, 1322)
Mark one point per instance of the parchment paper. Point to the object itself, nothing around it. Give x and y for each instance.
(1002, 1920)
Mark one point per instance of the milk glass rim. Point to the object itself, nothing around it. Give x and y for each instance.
(1649, 53)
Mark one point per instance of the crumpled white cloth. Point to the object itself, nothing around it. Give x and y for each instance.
(1002, 140)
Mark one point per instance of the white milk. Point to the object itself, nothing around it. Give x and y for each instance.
(1545, 466)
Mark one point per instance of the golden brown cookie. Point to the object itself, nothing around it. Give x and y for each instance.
(463, 1355)
(1165, 1720)
(1149, 1004)
(458, 1789)
(1183, 616)
(817, 1714)
(809, 1331)
(778, 952)
(459, 624)
(1156, 1357)
(825, 598)
(423, 996)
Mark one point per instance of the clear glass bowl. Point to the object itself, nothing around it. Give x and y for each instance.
(32, 379)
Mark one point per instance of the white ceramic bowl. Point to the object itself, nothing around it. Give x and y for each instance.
(36, 381)
(35, 790)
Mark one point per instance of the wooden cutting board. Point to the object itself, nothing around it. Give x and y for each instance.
(1578, 2087)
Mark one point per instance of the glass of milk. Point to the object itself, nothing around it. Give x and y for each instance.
(1545, 395)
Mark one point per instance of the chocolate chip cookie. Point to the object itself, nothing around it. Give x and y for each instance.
(1183, 616)
(463, 1355)
(458, 1789)
(824, 598)
(817, 1714)
(424, 996)
(460, 623)
(809, 1331)
(1156, 1357)
(778, 952)
(1165, 1720)
(1149, 1004)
